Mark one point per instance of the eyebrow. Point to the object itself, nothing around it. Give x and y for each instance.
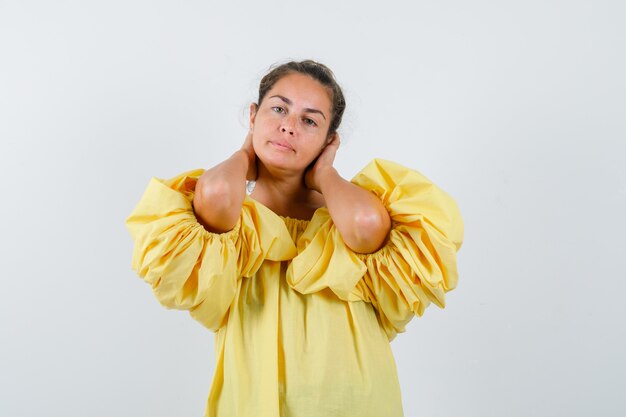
(309, 110)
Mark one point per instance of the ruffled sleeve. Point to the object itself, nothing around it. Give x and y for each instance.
(417, 263)
(190, 268)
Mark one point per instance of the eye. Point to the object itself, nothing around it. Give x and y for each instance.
(312, 122)
(277, 107)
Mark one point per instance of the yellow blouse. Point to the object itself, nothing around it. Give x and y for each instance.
(302, 322)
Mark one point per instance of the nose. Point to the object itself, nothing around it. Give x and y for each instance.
(287, 126)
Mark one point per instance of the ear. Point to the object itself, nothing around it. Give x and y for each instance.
(253, 110)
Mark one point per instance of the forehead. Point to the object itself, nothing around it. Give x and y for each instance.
(302, 90)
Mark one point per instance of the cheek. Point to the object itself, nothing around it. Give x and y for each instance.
(315, 151)
(263, 127)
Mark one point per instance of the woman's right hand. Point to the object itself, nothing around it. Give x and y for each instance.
(248, 149)
(220, 190)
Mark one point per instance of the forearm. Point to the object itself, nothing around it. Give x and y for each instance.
(220, 192)
(359, 215)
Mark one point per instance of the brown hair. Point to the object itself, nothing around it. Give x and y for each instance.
(318, 72)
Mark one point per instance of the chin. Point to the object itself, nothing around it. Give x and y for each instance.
(278, 161)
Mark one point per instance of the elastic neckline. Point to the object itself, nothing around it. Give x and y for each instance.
(287, 218)
(298, 222)
(293, 219)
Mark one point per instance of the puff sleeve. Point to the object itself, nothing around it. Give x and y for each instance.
(416, 265)
(188, 267)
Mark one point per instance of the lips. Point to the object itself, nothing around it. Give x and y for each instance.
(281, 145)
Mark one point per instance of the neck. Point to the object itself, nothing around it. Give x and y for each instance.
(282, 191)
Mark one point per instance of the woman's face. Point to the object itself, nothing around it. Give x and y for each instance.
(289, 128)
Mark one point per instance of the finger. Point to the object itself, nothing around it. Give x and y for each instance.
(334, 146)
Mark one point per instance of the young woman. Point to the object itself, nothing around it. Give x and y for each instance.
(307, 277)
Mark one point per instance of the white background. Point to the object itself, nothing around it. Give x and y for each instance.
(516, 109)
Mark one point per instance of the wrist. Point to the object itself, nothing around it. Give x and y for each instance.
(241, 157)
(248, 163)
(326, 176)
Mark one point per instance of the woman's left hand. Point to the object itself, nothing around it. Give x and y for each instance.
(324, 160)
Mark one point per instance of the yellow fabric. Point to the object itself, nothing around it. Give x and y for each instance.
(302, 322)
